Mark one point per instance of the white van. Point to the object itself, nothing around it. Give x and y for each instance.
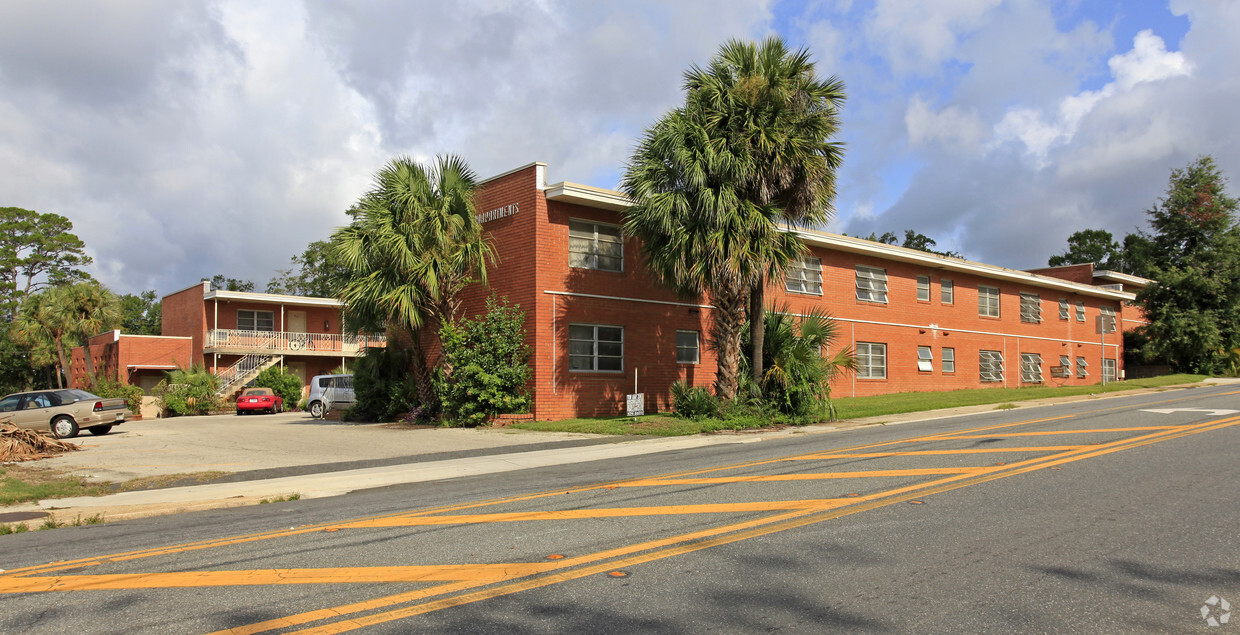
(329, 391)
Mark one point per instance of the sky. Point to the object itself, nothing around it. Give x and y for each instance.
(188, 139)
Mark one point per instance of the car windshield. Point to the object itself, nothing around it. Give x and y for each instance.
(257, 391)
(72, 395)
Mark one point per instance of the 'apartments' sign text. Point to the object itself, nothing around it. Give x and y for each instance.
(499, 212)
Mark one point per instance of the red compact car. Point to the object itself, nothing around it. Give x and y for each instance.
(259, 400)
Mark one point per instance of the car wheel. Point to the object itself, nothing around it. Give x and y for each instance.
(316, 409)
(240, 412)
(64, 427)
(100, 430)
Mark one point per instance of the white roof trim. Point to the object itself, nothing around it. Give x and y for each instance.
(271, 298)
(589, 196)
(540, 175)
(947, 263)
(1124, 278)
(615, 201)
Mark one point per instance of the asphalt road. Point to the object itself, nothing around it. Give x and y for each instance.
(1099, 516)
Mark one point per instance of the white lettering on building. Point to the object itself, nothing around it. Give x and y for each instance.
(499, 212)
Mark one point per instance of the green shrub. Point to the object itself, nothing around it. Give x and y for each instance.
(113, 388)
(486, 365)
(693, 402)
(382, 385)
(796, 376)
(188, 392)
(283, 383)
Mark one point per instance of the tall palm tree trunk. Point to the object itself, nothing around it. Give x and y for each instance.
(422, 374)
(63, 368)
(729, 319)
(757, 330)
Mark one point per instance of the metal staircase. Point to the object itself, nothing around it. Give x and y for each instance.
(246, 369)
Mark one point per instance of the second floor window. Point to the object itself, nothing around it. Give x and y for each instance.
(804, 276)
(946, 291)
(1080, 311)
(595, 246)
(1030, 308)
(988, 301)
(923, 288)
(871, 284)
(1063, 309)
(256, 320)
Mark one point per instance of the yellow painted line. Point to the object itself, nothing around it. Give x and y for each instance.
(877, 455)
(608, 512)
(1051, 433)
(247, 538)
(484, 573)
(820, 476)
(777, 524)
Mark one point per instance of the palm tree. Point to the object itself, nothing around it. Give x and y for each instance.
(765, 101)
(43, 330)
(797, 377)
(90, 309)
(413, 245)
(698, 233)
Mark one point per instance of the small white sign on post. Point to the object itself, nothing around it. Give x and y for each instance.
(635, 405)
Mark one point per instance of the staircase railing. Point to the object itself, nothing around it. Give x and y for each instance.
(240, 369)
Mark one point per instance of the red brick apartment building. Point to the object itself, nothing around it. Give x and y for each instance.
(234, 334)
(600, 327)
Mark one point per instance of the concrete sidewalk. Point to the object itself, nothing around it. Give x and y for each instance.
(281, 455)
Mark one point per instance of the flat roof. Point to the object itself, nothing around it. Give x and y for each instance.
(615, 201)
(271, 298)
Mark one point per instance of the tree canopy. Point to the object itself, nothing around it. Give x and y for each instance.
(316, 272)
(1194, 259)
(912, 240)
(36, 251)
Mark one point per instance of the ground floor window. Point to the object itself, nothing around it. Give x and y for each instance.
(949, 360)
(1081, 372)
(595, 347)
(686, 347)
(925, 359)
(990, 366)
(1030, 368)
(1108, 370)
(871, 360)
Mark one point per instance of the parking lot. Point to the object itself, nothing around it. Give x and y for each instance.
(229, 443)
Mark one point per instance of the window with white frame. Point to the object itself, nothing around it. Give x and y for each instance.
(804, 276)
(594, 347)
(1108, 370)
(1081, 368)
(1030, 308)
(1108, 319)
(595, 246)
(923, 288)
(946, 291)
(988, 301)
(1063, 309)
(1030, 368)
(686, 347)
(925, 359)
(990, 366)
(949, 360)
(1080, 311)
(1065, 362)
(871, 360)
(871, 284)
(256, 320)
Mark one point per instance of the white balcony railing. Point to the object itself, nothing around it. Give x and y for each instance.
(292, 343)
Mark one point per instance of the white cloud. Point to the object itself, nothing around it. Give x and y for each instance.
(954, 127)
(919, 36)
(1042, 131)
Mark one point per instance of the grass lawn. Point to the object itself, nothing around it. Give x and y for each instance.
(25, 483)
(850, 408)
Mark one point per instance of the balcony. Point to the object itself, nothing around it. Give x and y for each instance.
(235, 342)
